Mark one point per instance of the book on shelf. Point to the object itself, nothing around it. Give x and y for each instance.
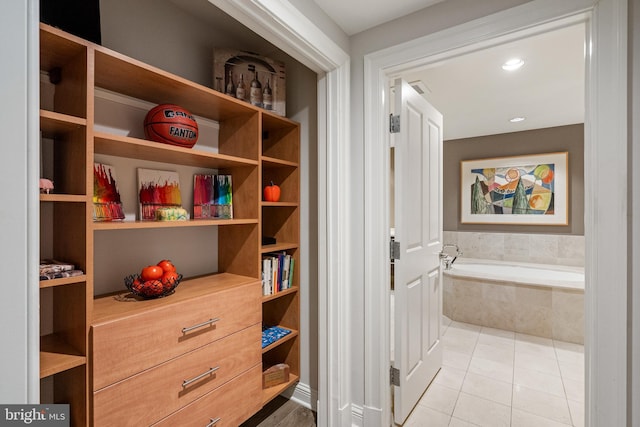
(212, 196)
(277, 272)
(54, 266)
(107, 205)
(157, 189)
(61, 274)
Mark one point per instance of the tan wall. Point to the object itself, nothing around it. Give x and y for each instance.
(564, 138)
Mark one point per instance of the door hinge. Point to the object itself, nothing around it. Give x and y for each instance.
(394, 123)
(394, 249)
(394, 376)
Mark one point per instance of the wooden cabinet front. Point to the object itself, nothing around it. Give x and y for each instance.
(153, 394)
(227, 406)
(131, 336)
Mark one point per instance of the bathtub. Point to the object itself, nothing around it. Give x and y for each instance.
(523, 273)
(535, 299)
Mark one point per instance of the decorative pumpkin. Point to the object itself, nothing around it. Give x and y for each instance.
(272, 193)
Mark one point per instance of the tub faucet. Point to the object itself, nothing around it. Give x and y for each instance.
(447, 258)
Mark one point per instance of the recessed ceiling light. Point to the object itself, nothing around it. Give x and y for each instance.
(517, 119)
(513, 64)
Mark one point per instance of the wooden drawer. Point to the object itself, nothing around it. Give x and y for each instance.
(151, 395)
(231, 404)
(151, 332)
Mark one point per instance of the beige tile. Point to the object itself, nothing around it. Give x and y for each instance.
(421, 416)
(460, 345)
(568, 316)
(574, 390)
(450, 377)
(569, 352)
(481, 411)
(487, 388)
(536, 380)
(497, 338)
(498, 314)
(535, 346)
(572, 371)
(525, 419)
(543, 246)
(533, 320)
(440, 398)
(491, 369)
(536, 363)
(533, 295)
(577, 413)
(456, 422)
(455, 359)
(571, 248)
(540, 403)
(468, 312)
(516, 246)
(498, 354)
(500, 292)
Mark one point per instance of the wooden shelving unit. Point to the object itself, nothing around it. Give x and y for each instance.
(254, 146)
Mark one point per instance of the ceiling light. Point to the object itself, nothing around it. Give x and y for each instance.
(517, 119)
(513, 64)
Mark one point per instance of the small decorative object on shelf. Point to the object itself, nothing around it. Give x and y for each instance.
(273, 334)
(107, 205)
(271, 193)
(212, 197)
(171, 124)
(46, 186)
(267, 87)
(154, 281)
(171, 214)
(276, 374)
(157, 189)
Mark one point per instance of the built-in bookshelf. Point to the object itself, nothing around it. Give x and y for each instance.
(254, 147)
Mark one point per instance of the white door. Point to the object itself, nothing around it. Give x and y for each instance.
(418, 229)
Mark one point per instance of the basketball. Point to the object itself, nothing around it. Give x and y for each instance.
(171, 124)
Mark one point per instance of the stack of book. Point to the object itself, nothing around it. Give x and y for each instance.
(277, 272)
(52, 269)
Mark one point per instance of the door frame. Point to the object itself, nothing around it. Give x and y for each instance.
(606, 347)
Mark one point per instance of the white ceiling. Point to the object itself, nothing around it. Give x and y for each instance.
(474, 94)
(355, 16)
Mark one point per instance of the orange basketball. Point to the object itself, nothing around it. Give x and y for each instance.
(171, 124)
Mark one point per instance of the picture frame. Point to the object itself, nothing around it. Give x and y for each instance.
(525, 190)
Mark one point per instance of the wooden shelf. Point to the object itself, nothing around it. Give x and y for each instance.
(270, 393)
(63, 198)
(134, 148)
(57, 356)
(128, 76)
(62, 281)
(280, 204)
(271, 162)
(277, 247)
(129, 225)
(280, 294)
(282, 340)
(53, 124)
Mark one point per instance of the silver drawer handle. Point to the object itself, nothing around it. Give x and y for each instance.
(213, 422)
(202, 375)
(200, 325)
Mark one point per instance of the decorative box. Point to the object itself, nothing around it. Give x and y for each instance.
(277, 374)
(250, 77)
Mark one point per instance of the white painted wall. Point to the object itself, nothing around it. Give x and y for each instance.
(20, 194)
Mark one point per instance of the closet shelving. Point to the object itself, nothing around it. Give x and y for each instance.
(254, 146)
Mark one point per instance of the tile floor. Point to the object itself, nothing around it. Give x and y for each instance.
(491, 377)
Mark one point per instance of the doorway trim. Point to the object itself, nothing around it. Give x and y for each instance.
(606, 347)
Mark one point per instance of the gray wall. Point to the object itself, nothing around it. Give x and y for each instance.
(549, 140)
(171, 38)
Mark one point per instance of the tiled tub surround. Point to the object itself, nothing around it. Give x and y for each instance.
(554, 309)
(557, 249)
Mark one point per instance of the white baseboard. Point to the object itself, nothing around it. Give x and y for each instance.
(303, 395)
(357, 416)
